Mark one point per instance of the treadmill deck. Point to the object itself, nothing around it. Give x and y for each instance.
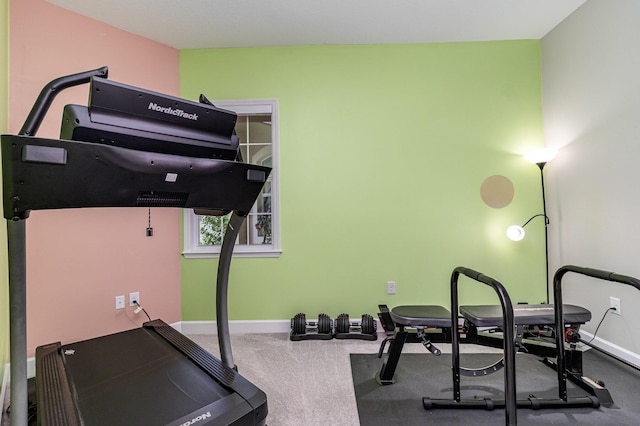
(139, 377)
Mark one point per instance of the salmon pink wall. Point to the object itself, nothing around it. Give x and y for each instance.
(4, 123)
(79, 260)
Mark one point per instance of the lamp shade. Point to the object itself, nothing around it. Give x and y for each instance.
(515, 232)
(541, 155)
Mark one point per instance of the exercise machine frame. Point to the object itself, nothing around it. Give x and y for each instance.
(510, 401)
(598, 393)
(560, 365)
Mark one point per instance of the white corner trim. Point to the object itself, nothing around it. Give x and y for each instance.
(3, 388)
(31, 367)
(612, 348)
(235, 327)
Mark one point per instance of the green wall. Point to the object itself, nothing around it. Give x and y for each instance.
(383, 149)
(4, 126)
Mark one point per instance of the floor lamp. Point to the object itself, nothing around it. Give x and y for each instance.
(515, 232)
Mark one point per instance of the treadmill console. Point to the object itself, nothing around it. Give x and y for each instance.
(129, 117)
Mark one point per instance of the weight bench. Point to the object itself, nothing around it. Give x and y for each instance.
(511, 320)
(426, 318)
(527, 315)
(396, 322)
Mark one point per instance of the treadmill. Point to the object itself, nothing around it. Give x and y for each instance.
(129, 147)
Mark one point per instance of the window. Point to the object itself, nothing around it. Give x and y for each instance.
(257, 129)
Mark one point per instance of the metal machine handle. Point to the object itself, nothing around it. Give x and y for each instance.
(559, 316)
(509, 350)
(49, 92)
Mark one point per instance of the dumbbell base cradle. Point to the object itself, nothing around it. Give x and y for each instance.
(357, 335)
(310, 336)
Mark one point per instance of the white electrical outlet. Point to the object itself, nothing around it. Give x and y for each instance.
(119, 302)
(614, 302)
(391, 287)
(133, 298)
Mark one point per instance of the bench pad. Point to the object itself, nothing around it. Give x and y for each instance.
(421, 316)
(539, 314)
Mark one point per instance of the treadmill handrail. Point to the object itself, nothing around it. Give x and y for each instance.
(559, 315)
(49, 92)
(222, 286)
(508, 321)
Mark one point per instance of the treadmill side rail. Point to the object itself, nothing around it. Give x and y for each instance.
(53, 387)
(224, 375)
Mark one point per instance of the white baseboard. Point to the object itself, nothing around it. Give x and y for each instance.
(612, 348)
(31, 371)
(235, 327)
(241, 326)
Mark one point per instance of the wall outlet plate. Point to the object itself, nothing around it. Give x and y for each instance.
(133, 298)
(120, 302)
(391, 287)
(614, 302)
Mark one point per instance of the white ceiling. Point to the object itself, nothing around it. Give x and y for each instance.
(186, 24)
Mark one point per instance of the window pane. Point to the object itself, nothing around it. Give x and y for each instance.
(212, 229)
(242, 235)
(257, 227)
(244, 150)
(254, 128)
(259, 129)
(241, 128)
(262, 228)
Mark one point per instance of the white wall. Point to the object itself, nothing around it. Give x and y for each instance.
(591, 103)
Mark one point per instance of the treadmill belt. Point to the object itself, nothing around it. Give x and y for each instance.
(141, 380)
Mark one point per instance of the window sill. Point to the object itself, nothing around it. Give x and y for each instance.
(209, 253)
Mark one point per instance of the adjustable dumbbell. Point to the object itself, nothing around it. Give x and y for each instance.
(350, 329)
(301, 329)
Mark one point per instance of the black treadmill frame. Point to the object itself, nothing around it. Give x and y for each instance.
(26, 158)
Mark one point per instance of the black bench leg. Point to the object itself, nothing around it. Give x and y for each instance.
(391, 358)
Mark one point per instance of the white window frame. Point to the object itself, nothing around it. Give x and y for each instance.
(192, 247)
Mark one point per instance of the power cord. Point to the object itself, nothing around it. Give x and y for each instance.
(140, 308)
(600, 323)
(32, 413)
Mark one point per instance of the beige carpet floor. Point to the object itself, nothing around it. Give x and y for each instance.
(307, 382)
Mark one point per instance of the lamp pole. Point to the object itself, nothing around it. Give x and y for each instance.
(546, 223)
